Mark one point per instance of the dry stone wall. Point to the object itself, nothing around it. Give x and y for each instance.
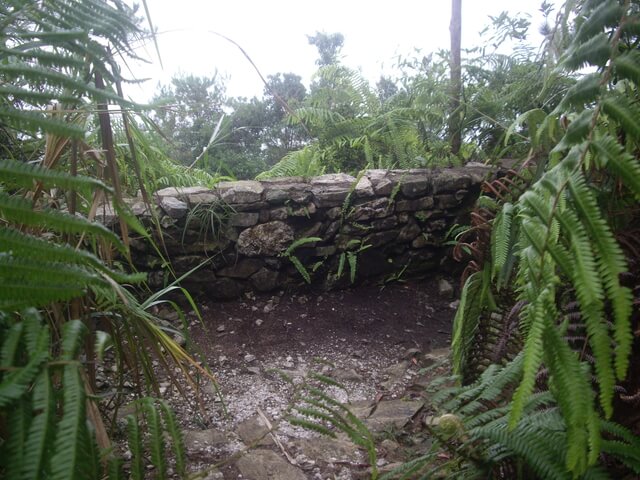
(332, 229)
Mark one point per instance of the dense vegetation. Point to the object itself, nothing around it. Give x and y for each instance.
(545, 348)
(343, 124)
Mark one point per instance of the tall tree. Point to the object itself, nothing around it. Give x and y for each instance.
(455, 29)
(328, 45)
(191, 109)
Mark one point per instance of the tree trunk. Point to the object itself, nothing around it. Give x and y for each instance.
(455, 29)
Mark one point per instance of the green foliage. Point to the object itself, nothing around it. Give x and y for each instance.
(54, 257)
(560, 241)
(307, 162)
(353, 248)
(41, 441)
(289, 253)
(312, 408)
(472, 437)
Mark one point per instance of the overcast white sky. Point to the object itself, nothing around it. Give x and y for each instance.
(273, 32)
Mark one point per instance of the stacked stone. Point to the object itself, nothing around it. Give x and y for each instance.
(391, 221)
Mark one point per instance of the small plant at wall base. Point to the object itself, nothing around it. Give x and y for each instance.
(350, 256)
(289, 254)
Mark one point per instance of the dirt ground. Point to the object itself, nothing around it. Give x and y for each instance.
(397, 316)
(371, 339)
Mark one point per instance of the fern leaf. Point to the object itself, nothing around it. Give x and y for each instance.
(23, 269)
(584, 92)
(73, 332)
(310, 425)
(300, 242)
(466, 321)
(627, 454)
(134, 439)
(114, 468)
(12, 449)
(156, 439)
(540, 456)
(341, 261)
(595, 51)
(352, 258)
(70, 457)
(623, 165)
(578, 129)
(533, 352)
(611, 265)
(627, 66)
(10, 345)
(175, 434)
(41, 431)
(570, 382)
(586, 280)
(23, 245)
(34, 121)
(58, 79)
(16, 383)
(19, 211)
(619, 108)
(24, 174)
(501, 238)
(607, 14)
(301, 268)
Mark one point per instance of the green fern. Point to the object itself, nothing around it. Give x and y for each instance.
(135, 445)
(562, 239)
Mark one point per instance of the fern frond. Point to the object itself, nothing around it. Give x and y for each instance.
(627, 66)
(301, 268)
(619, 108)
(134, 439)
(607, 14)
(532, 353)
(25, 174)
(17, 425)
(24, 245)
(589, 290)
(535, 447)
(569, 381)
(60, 80)
(73, 332)
(584, 92)
(466, 321)
(578, 129)
(612, 155)
(352, 258)
(10, 345)
(70, 455)
(173, 429)
(17, 382)
(29, 121)
(595, 51)
(611, 265)
(156, 438)
(303, 162)
(299, 242)
(41, 430)
(310, 425)
(501, 240)
(20, 211)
